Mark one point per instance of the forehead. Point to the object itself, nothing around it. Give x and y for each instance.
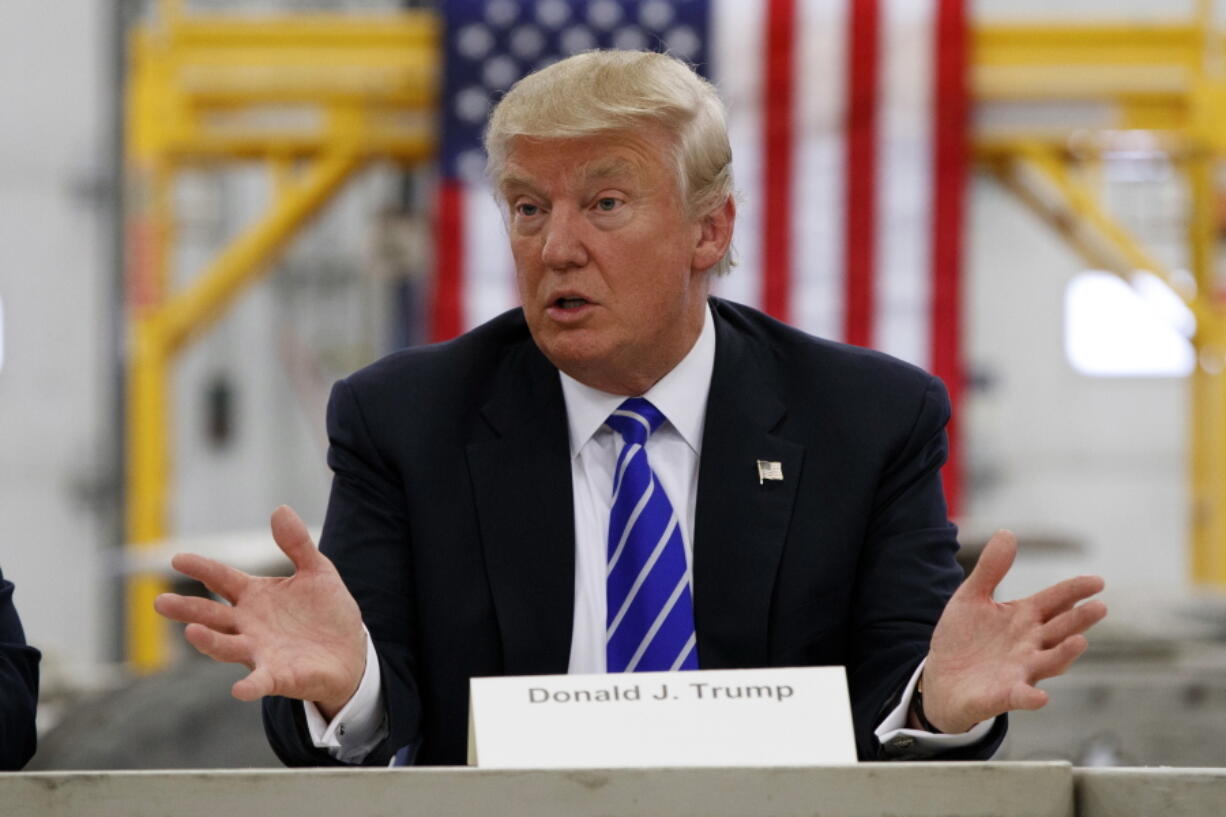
(577, 160)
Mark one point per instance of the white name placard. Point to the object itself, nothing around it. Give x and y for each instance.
(759, 717)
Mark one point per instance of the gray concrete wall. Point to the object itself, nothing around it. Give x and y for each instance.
(57, 381)
(1096, 463)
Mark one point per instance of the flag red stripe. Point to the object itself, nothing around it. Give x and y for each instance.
(446, 313)
(778, 90)
(861, 168)
(949, 181)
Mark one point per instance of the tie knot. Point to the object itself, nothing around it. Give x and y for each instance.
(635, 420)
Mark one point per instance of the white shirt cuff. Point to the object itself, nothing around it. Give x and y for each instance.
(893, 727)
(360, 724)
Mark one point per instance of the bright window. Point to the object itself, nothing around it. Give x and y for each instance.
(1116, 329)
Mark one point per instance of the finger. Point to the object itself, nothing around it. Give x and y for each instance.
(994, 562)
(232, 649)
(1053, 662)
(195, 610)
(1054, 600)
(1025, 696)
(255, 686)
(1071, 622)
(292, 537)
(225, 581)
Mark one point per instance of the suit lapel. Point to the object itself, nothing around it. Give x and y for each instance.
(522, 484)
(741, 523)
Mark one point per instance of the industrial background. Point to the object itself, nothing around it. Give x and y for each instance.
(211, 210)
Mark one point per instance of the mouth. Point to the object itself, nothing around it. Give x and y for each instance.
(569, 310)
(570, 303)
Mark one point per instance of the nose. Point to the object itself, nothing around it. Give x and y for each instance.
(564, 247)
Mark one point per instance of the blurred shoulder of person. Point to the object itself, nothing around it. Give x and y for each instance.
(18, 686)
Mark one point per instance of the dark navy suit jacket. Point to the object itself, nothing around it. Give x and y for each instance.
(451, 521)
(18, 686)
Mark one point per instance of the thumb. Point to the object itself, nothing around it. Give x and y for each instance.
(1027, 697)
(291, 535)
(993, 564)
(255, 686)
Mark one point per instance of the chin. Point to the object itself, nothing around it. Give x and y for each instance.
(575, 356)
(570, 358)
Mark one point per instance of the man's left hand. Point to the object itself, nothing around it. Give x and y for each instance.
(986, 656)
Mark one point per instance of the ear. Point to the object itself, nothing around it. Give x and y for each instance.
(715, 235)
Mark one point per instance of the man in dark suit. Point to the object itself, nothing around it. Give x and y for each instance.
(18, 686)
(473, 506)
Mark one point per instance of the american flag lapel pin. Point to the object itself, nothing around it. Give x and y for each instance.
(769, 470)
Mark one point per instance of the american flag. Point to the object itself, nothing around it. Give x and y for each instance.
(848, 126)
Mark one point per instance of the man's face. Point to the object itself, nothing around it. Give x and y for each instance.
(610, 269)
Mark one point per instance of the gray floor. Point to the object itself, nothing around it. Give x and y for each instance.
(181, 719)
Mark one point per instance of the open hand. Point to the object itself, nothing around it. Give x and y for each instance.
(301, 636)
(986, 656)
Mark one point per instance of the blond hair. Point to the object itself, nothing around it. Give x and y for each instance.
(624, 91)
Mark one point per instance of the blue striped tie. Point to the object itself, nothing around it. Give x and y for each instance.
(650, 609)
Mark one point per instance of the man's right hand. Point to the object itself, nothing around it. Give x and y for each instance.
(301, 636)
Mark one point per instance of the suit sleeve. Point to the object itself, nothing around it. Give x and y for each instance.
(907, 573)
(366, 535)
(18, 686)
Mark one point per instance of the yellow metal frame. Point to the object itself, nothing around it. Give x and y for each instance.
(332, 92)
(1169, 80)
(315, 98)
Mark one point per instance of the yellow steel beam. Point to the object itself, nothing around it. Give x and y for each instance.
(1083, 147)
(1093, 82)
(1207, 438)
(1207, 564)
(1210, 44)
(1011, 62)
(1087, 44)
(1038, 174)
(170, 11)
(406, 144)
(1207, 450)
(148, 477)
(1034, 188)
(411, 29)
(150, 236)
(194, 310)
(220, 86)
(237, 77)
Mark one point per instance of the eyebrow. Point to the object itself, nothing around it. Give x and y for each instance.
(511, 182)
(602, 169)
(597, 170)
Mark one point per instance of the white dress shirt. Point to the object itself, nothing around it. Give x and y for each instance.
(673, 451)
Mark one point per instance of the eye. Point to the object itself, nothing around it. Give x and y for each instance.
(607, 204)
(526, 209)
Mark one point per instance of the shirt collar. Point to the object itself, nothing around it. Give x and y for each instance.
(681, 395)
